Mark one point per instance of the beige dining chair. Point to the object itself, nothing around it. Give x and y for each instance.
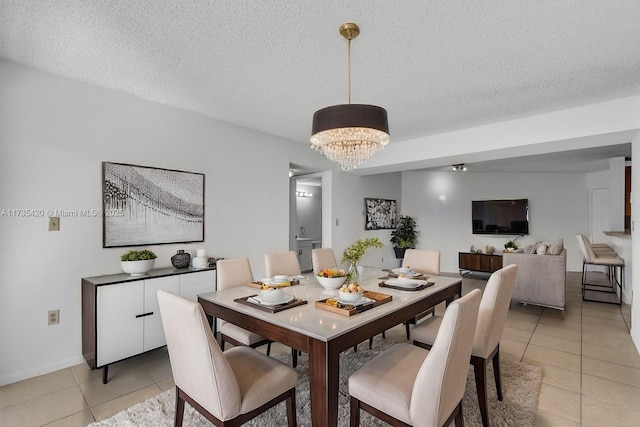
(423, 262)
(492, 316)
(233, 272)
(282, 263)
(228, 388)
(410, 386)
(323, 258)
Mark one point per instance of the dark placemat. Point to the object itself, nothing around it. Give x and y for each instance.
(402, 288)
(271, 308)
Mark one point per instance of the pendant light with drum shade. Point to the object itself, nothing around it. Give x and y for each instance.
(350, 133)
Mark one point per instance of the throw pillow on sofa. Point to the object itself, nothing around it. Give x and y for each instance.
(557, 248)
(542, 248)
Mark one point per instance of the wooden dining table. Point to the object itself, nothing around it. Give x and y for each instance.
(322, 334)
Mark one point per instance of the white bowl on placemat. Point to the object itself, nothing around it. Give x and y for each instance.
(272, 295)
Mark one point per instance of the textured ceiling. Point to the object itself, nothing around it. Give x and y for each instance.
(268, 65)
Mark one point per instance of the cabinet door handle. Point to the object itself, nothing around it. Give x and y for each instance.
(144, 314)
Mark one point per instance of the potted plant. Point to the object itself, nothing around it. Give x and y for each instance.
(404, 236)
(354, 252)
(510, 246)
(138, 263)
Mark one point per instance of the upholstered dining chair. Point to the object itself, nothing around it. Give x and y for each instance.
(407, 385)
(323, 258)
(234, 272)
(228, 388)
(423, 262)
(492, 316)
(282, 263)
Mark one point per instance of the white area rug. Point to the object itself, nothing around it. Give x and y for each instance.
(520, 388)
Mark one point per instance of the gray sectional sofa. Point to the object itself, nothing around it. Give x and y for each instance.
(541, 279)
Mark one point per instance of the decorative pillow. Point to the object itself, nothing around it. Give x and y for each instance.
(557, 248)
(530, 249)
(542, 248)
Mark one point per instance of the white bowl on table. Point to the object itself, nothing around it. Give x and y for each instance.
(280, 278)
(331, 282)
(272, 295)
(350, 296)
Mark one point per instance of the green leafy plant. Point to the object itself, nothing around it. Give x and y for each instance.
(356, 251)
(144, 254)
(510, 245)
(405, 235)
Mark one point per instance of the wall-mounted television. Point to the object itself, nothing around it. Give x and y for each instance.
(500, 216)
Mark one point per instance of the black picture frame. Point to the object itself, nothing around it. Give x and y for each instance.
(145, 205)
(380, 214)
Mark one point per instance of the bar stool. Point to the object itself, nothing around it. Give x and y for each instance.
(603, 256)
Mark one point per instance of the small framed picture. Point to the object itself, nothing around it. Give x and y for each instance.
(380, 214)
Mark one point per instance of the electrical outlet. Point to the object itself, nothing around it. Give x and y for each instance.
(53, 317)
(54, 223)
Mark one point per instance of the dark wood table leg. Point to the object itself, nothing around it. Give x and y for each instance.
(324, 368)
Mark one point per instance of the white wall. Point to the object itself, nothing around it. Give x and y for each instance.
(54, 134)
(635, 242)
(441, 201)
(349, 192)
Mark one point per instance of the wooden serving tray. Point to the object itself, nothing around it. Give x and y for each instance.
(402, 288)
(271, 308)
(350, 310)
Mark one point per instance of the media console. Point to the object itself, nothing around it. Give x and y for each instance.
(486, 263)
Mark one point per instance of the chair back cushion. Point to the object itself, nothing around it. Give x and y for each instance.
(425, 262)
(442, 378)
(233, 272)
(494, 307)
(282, 263)
(198, 365)
(585, 247)
(323, 258)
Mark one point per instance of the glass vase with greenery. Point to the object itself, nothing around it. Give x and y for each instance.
(356, 251)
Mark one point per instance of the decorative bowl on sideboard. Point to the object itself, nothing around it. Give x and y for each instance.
(137, 268)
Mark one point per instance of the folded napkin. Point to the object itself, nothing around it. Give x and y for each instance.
(403, 281)
(361, 301)
(257, 300)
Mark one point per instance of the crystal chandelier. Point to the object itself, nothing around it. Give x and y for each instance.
(350, 133)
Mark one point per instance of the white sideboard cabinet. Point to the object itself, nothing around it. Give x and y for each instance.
(121, 316)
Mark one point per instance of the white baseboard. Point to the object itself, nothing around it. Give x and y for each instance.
(40, 370)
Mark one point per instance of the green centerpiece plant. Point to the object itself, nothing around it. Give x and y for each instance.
(138, 255)
(356, 251)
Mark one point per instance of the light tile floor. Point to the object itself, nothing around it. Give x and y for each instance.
(591, 371)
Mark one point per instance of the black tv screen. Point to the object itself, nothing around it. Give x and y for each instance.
(500, 216)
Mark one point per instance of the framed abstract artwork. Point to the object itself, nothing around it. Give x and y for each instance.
(151, 206)
(380, 214)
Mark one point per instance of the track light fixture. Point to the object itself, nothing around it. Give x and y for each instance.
(459, 167)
